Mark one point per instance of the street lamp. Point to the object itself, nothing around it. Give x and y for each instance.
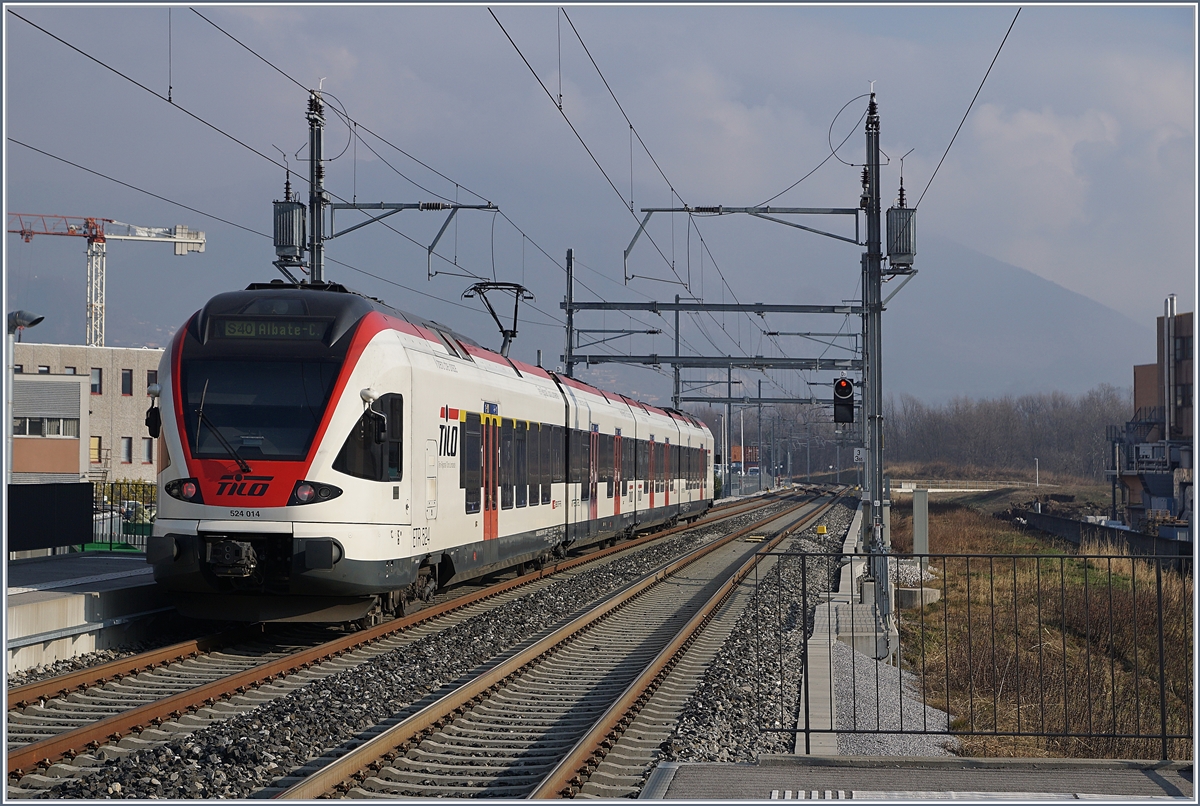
(17, 320)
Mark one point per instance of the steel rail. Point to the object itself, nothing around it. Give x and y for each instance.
(436, 713)
(61, 685)
(590, 749)
(51, 749)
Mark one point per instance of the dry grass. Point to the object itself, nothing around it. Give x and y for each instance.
(1054, 644)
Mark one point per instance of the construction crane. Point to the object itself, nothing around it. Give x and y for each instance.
(98, 232)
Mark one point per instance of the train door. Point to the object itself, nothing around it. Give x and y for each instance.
(491, 473)
(593, 462)
(652, 449)
(618, 490)
(431, 482)
(667, 473)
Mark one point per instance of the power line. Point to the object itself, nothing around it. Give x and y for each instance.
(969, 106)
(662, 173)
(554, 322)
(356, 124)
(671, 187)
(249, 50)
(832, 151)
(582, 142)
(162, 98)
(138, 189)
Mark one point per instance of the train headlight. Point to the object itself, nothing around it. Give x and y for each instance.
(311, 492)
(185, 490)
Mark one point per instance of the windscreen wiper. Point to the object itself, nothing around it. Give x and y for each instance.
(241, 463)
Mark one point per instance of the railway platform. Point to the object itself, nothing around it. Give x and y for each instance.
(921, 779)
(70, 604)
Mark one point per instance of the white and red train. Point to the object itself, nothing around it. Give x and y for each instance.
(323, 457)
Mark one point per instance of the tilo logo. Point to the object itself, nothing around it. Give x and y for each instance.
(237, 484)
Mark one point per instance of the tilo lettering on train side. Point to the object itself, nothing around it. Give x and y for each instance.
(237, 484)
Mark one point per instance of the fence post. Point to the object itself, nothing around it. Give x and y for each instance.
(921, 526)
(1162, 663)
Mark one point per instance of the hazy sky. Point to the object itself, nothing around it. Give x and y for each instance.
(1078, 161)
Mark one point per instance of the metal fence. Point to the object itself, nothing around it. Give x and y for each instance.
(737, 484)
(1086, 656)
(123, 515)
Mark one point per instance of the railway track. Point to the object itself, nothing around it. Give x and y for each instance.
(537, 723)
(79, 713)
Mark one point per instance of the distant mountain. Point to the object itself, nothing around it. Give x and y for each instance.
(970, 325)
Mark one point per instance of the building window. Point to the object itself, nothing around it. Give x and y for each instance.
(127, 382)
(126, 450)
(151, 377)
(68, 370)
(45, 427)
(97, 381)
(147, 450)
(43, 369)
(94, 450)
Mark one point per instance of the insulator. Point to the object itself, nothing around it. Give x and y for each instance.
(706, 209)
(434, 206)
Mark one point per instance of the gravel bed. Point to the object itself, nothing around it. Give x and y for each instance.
(236, 757)
(742, 691)
(898, 705)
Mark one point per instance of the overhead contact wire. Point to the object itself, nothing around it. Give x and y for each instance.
(969, 106)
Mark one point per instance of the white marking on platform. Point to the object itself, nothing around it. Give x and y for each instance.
(70, 583)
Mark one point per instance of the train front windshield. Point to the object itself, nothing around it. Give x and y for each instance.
(263, 409)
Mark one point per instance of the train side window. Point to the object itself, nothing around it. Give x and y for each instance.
(643, 458)
(533, 450)
(364, 456)
(471, 465)
(558, 456)
(521, 463)
(506, 464)
(394, 406)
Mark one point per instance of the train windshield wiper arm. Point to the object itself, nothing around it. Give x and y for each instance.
(241, 463)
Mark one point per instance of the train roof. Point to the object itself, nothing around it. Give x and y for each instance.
(335, 301)
(346, 307)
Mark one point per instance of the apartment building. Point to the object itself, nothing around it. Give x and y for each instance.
(113, 403)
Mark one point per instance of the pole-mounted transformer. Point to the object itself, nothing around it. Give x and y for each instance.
(901, 233)
(291, 236)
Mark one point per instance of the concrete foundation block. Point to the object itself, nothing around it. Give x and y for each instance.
(912, 598)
